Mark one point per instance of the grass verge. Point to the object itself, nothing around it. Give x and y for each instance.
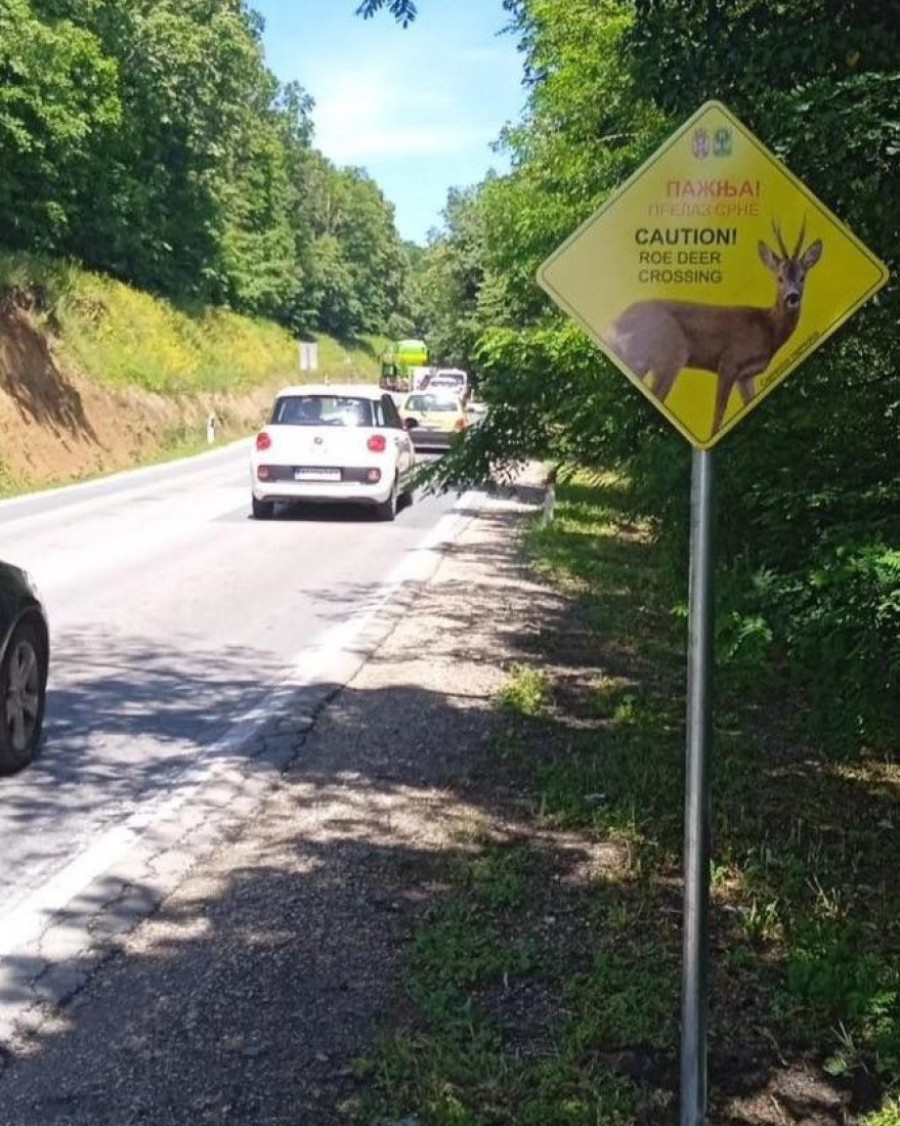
(123, 337)
(547, 994)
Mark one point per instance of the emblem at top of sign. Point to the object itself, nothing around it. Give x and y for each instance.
(710, 275)
(701, 144)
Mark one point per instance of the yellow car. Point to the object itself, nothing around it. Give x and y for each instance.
(434, 419)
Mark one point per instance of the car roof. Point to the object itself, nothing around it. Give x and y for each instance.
(354, 390)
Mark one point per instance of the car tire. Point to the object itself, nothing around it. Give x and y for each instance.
(23, 694)
(387, 510)
(262, 509)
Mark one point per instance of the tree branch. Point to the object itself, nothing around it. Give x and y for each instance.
(403, 11)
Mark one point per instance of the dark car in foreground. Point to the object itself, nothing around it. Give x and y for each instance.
(24, 658)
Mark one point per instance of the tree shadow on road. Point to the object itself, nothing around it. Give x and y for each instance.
(433, 846)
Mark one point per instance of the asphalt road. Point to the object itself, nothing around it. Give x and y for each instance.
(172, 613)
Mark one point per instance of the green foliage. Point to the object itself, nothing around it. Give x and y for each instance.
(448, 279)
(120, 336)
(46, 279)
(403, 11)
(546, 990)
(806, 850)
(626, 998)
(459, 1070)
(57, 99)
(808, 491)
(499, 875)
(126, 337)
(150, 142)
(526, 692)
(835, 978)
(888, 1115)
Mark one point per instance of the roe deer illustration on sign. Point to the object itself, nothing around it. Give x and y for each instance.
(734, 342)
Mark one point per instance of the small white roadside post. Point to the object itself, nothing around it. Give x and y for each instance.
(309, 355)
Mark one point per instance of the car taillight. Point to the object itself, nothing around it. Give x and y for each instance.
(460, 424)
(377, 443)
(263, 441)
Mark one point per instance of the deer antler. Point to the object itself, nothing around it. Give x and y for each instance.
(796, 253)
(776, 227)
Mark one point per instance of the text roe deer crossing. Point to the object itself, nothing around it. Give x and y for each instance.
(736, 343)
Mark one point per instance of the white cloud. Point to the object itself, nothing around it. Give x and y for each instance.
(387, 112)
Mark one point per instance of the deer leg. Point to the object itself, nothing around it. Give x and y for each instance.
(664, 381)
(745, 389)
(666, 374)
(678, 357)
(723, 393)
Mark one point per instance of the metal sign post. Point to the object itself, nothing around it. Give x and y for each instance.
(697, 818)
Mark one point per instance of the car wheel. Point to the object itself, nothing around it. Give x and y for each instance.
(262, 509)
(387, 510)
(23, 687)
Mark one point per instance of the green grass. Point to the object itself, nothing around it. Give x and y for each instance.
(9, 484)
(888, 1115)
(526, 692)
(123, 337)
(460, 1067)
(805, 908)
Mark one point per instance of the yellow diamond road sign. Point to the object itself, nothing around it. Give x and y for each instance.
(710, 275)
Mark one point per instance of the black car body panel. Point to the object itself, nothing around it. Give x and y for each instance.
(23, 629)
(17, 600)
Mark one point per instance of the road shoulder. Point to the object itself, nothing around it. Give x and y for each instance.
(259, 982)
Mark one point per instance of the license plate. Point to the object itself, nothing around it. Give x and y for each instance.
(317, 474)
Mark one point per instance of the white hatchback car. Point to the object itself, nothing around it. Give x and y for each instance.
(329, 442)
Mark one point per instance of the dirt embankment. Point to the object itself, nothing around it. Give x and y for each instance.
(56, 425)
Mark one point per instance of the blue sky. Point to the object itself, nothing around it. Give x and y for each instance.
(418, 108)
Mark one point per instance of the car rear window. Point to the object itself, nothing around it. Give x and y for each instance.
(323, 410)
(431, 403)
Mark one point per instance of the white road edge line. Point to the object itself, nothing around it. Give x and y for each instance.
(24, 924)
(158, 469)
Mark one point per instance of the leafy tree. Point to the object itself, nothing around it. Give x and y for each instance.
(346, 206)
(148, 139)
(332, 291)
(449, 281)
(57, 98)
(809, 496)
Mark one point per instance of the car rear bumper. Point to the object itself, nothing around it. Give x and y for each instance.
(353, 492)
(423, 439)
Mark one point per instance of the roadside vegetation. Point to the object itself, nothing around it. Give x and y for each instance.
(129, 378)
(808, 517)
(546, 995)
(122, 337)
(169, 227)
(152, 143)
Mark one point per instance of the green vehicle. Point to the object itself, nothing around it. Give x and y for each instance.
(403, 365)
